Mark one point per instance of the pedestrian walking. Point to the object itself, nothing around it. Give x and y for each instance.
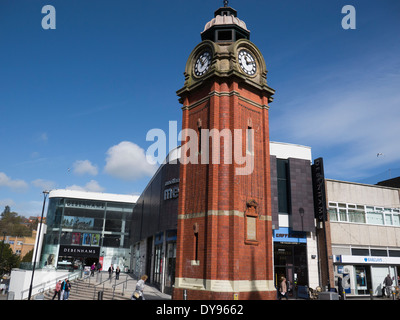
(340, 288)
(138, 293)
(63, 287)
(98, 266)
(388, 285)
(110, 271)
(283, 289)
(117, 271)
(67, 290)
(92, 269)
(57, 290)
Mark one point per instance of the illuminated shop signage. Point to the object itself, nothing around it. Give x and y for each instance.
(79, 251)
(366, 260)
(72, 203)
(288, 235)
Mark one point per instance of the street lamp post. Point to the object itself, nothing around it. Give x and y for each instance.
(45, 193)
(301, 211)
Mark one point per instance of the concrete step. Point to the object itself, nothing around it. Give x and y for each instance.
(82, 290)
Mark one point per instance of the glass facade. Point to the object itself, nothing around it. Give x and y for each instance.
(81, 232)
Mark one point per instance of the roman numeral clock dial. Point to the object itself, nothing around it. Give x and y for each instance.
(202, 64)
(247, 62)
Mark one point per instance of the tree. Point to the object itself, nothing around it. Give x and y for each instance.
(28, 256)
(12, 224)
(8, 260)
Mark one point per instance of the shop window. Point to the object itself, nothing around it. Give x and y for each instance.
(394, 253)
(112, 241)
(378, 252)
(359, 252)
(113, 225)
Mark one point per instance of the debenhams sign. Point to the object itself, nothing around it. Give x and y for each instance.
(171, 192)
(79, 251)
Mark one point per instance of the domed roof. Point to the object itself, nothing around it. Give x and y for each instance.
(225, 26)
(221, 20)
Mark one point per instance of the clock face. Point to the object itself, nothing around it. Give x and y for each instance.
(247, 62)
(202, 64)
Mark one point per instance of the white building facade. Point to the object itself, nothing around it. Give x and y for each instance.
(364, 225)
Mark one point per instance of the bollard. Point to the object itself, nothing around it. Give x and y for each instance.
(371, 295)
(100, 295)
(185, 294)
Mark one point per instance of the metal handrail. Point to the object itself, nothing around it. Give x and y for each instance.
(125, 282)
(102, 283)
(46, 284)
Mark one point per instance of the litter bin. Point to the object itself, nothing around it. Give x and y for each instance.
(100, 295)
(327, 295)
(10, 295)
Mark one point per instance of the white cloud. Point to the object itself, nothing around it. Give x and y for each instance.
(82, 167)
(44, 184)
(127, 161)
(92, 186)
(15, 185)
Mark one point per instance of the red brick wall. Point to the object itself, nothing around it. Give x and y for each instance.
(222, 250)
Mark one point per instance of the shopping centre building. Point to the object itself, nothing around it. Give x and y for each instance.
(85, 228)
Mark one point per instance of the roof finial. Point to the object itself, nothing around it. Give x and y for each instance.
(226, 3)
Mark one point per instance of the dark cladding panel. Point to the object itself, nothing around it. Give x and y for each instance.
(157, 208)
(301, 195)
(151, 211)
(169, 197)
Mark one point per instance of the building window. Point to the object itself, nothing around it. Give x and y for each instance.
(345, 212)
(283, 190)
(359, 252)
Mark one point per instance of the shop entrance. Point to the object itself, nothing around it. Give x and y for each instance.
(77, 257)
(170, 267)
(290, 261)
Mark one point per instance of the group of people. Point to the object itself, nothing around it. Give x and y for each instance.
(97, 267)
(111, 270)
(62, 289)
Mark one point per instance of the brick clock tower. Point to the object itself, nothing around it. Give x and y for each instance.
(224, 242)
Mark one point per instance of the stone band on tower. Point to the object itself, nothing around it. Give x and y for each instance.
(224, 242)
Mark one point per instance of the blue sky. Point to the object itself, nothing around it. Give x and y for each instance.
(77, 102)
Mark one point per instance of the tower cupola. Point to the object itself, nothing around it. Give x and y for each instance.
(225, 26)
